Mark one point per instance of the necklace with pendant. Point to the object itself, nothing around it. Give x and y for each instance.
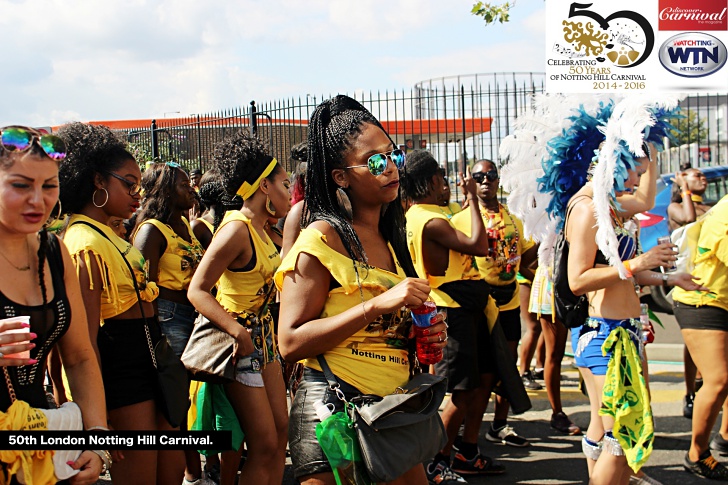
(19, 268)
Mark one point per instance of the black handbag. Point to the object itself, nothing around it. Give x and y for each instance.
(398, 431)
(171, 374)
(571, 310)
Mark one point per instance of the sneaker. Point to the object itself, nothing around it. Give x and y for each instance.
(688, 406)
(507, 436)
(441, 474)
(719, 444)
(643, 480)
(199, 481)
(561, 422)
(529, 382)
(707, 467)
(538, 374)
(477, 465)
(213, 473)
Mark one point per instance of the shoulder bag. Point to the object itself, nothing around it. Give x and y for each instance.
(171, 374)
(400, 430)
(571, 310)
(208, 355)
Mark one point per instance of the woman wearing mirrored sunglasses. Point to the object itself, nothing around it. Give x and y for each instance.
(347, 277)
(99, 180)
(39, 281)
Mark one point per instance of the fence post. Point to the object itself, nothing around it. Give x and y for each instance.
(155, 141)
(253, 119)
(462, 111)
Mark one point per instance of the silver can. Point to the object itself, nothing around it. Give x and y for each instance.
(663, 240)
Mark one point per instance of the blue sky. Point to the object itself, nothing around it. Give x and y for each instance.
(109, 59)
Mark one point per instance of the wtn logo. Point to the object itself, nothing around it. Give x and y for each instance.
(692, 54)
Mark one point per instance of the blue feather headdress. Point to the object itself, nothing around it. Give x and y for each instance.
(569, 157)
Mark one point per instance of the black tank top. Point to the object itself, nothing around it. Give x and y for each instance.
(28, 380)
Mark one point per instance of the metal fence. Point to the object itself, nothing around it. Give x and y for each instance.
(458, 118)
(455, 121)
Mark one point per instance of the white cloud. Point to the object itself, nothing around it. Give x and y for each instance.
(114, 59)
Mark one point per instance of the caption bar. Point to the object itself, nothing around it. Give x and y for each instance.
(115, 440)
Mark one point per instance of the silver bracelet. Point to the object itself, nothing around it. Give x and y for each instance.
(105, 459)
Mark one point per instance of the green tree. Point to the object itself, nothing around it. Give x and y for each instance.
(690, 129)
(493, 12)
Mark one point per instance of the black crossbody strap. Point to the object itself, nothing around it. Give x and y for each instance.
(330, 377)
(134, 282)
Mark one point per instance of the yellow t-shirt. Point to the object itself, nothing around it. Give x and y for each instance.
(245, 291)
(180, 258)
(374, 359)
(711, 262)
(501, 268)
(460, 266)
(118, 293)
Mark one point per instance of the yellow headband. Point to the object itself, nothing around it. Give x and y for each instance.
(247, 190)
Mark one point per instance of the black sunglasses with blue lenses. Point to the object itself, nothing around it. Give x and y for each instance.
(481, 176)
(377, 163)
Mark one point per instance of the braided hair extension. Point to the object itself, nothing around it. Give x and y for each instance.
(334, 124)
(299, 154)
(159, 185)
(240, 158)
(214, 196)
(417, 180)
(91, 150)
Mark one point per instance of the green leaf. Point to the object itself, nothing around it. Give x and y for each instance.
(653, 318)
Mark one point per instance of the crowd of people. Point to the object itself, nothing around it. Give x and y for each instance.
(316, 273)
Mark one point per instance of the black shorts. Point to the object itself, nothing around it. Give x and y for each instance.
(126, 363)
(306, 454)
(510, 321)
(466, 356)
(700, 318)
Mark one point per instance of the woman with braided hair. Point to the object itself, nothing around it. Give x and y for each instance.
(347, 280)
(100, 179)
(241, 260)
(40, 282)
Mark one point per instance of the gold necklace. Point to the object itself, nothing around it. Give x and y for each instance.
(21, 268)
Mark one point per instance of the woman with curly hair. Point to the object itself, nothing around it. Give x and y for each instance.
(40, 282)
(165, 239)
(100, 179)
(346, 280)
(216, 202)
(241, 260)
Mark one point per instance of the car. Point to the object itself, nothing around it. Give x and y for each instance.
(653, 223)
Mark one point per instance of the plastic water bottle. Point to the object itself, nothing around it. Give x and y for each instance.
(427, 353)
(647, 334)
(335, 433)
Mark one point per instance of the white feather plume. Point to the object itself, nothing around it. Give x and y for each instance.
(627, 123)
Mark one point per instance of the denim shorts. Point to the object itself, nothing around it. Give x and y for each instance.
(588, 339)
(248, 368)
(306, 454)
(176, 321)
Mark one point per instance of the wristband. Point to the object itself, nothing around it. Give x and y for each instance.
(665, 277)
(97, 428)
(628, 268)
(686, 193)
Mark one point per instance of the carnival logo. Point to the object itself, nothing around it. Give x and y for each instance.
(693, 54)
(624, 38)
(693, 15)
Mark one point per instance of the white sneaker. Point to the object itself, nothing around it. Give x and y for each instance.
(199, 481)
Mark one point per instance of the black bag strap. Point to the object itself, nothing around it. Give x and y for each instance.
(330, 377)
(570, 207)
(136, 287)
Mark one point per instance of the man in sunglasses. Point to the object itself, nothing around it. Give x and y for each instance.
(445, 256)
(508, 252)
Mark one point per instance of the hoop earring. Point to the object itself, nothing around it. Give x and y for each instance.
(93, 198)
(342, 198)
(50, 222)
(270, 207)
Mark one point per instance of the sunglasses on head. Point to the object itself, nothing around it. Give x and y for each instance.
(481, 176)
(20, 139)
(377, 163)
